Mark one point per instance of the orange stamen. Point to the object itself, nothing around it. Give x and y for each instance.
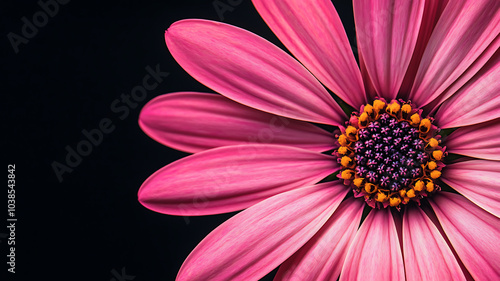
(431, 165)
(358, 182)
(394, 201)
(435, 174)
(370, 187)
(346, 162)
(437, 154)
(347, 174)
(380, 197)
(342, 140)
(419, 185)
(425, 126)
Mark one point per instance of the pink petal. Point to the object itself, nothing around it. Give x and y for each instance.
(478, 180)
(255, 241)
(464, 31)
(375, 253)
(323, 256)
(489, 54)
(432, 12)
(480, 141)
(387, 32)
(477, 101)
(231, 178)
(371, 92)
(426, 254)
(472, 232)
(249, 69)
(194, 122)
(313, 33)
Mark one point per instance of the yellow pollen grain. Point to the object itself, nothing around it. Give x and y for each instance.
(406, 108)
(370, 188)
(363, 119)
(410, 193)
(351, 132)
(431, 165)
(380, 197)
(435, 174)
(343, 150)
(358, 182)
(437, 154)
(394, 107)
(425, 125)
(415, 119)
(346, 174)
(378, 105)
(346, 161)
(419, 185)
(342, 140)
(368, 109)
(430, 186)
(402, 192)
(433, 142)
(394, 201)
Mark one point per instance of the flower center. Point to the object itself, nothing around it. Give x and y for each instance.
(389, 154)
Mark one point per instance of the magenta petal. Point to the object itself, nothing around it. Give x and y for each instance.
(255, 241)
(313, 32)
(231, 178)
(249, 69)
(477, 101)
(472, 232)
(489, 54)
(323, 256)
(387, 32)
(478, 180)
(194, 122)
(375, 253)
(426, 253)
(432, 12)
(480, 141)
(465, 30)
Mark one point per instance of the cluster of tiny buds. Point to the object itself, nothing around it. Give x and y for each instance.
(389, 154)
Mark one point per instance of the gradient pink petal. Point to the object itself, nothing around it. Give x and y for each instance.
(313, 33)
(231, 178)
(432, 12)
(375, 253)
(465, 30)
(255, 241)
(323, 256)
(249, 69)
(194, 122)
(371, 92)
(426, 254)
(480, 141)
(477, 101)
(478, 180)
(472, 232)
(490, 53)
(387, 32)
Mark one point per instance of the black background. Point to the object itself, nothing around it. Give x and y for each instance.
(63, 81)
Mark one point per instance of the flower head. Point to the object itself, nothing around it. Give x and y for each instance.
(426, 68)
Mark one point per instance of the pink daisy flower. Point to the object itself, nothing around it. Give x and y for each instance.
(425, 66)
